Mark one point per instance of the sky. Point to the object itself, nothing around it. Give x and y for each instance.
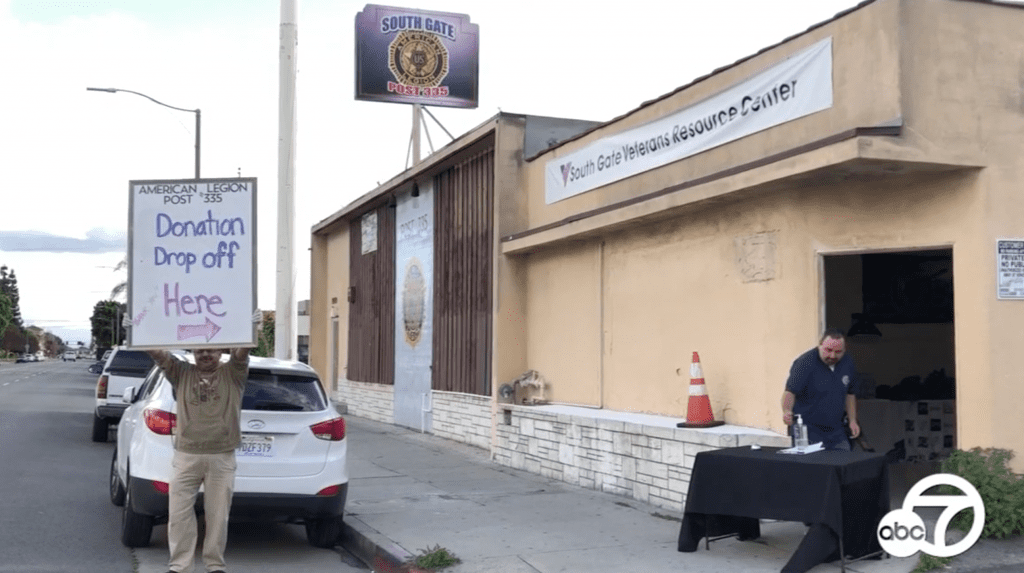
(69, 153)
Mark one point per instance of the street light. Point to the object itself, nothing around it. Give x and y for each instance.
(195, 111)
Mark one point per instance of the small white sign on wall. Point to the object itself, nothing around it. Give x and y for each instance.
(1010, 269)
(369, 233)
(192, 263)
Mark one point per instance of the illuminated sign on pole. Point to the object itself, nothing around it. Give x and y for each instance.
(415, 56)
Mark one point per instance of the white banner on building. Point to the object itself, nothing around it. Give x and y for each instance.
(414, 307)
(798, 86)
(1010, 268)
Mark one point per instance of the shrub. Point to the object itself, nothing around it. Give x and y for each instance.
(1001, 490)
(265, 341)
(435, 558)
(927, 563)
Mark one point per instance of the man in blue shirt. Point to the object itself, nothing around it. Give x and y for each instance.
(822, 386)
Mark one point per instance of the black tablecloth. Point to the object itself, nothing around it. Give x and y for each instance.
(839, 493)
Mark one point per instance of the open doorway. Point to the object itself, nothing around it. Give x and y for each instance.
(897, 311)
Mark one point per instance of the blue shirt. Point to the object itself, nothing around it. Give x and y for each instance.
(821, 395)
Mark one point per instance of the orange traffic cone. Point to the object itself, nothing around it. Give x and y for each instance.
(698, 410)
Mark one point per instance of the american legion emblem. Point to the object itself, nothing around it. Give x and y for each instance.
(418, 58)
(414, 302)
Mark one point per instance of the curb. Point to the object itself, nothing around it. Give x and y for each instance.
(381, 554)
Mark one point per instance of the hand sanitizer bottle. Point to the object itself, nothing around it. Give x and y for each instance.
(800, 432)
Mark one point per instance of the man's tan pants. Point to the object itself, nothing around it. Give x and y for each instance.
(216, 472)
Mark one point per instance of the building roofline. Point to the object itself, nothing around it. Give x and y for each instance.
(431, 162)
(709, 75)
(391, 185)
(648, 103)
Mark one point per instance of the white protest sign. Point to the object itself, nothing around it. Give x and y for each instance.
(192, 263)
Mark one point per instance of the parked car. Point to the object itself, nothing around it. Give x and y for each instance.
(124, 368)
(291, 464)
(70, 355)
(97, 367)
(26, 358)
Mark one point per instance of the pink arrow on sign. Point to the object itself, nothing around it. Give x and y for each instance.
(209, 330)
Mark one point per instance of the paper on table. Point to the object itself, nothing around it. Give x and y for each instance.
(803, 450)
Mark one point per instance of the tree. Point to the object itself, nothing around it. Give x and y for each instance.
(6, 312)
(53, 344)
(265, 340)
(31, 342)
(13, 339)
(40, 339)
(106, 323)
(9, 287)
(122, 286)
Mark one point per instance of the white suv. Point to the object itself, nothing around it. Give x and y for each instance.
(70, 355)
(291, 464)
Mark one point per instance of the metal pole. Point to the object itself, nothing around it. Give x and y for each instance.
(195, 111)
(416, 119)
(197, 142)
(285, 338)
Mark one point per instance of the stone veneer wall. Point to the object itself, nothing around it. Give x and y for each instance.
(463, 417)
(460, 417)
(641, 457)
(649, 463)
(367, 400)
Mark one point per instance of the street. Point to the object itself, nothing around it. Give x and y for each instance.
(55, 511)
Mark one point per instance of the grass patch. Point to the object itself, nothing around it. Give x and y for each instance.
(928, 563)
(434, 558)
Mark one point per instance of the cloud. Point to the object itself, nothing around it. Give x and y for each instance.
(95, 241)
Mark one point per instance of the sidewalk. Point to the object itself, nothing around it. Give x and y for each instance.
(409, 492)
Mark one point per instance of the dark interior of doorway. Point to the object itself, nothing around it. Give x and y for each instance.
(897, 311)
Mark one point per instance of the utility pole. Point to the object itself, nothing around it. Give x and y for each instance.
(285, 338)
(417, 119)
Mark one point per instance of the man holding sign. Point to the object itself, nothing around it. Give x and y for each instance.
(206, 435)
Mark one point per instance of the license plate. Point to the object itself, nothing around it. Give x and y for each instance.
(258, 446)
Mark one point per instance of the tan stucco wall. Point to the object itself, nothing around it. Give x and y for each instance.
(678, 286)
(951, 71)
(564, 332)
(509, 298)
(329, 280)
(973, 100)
